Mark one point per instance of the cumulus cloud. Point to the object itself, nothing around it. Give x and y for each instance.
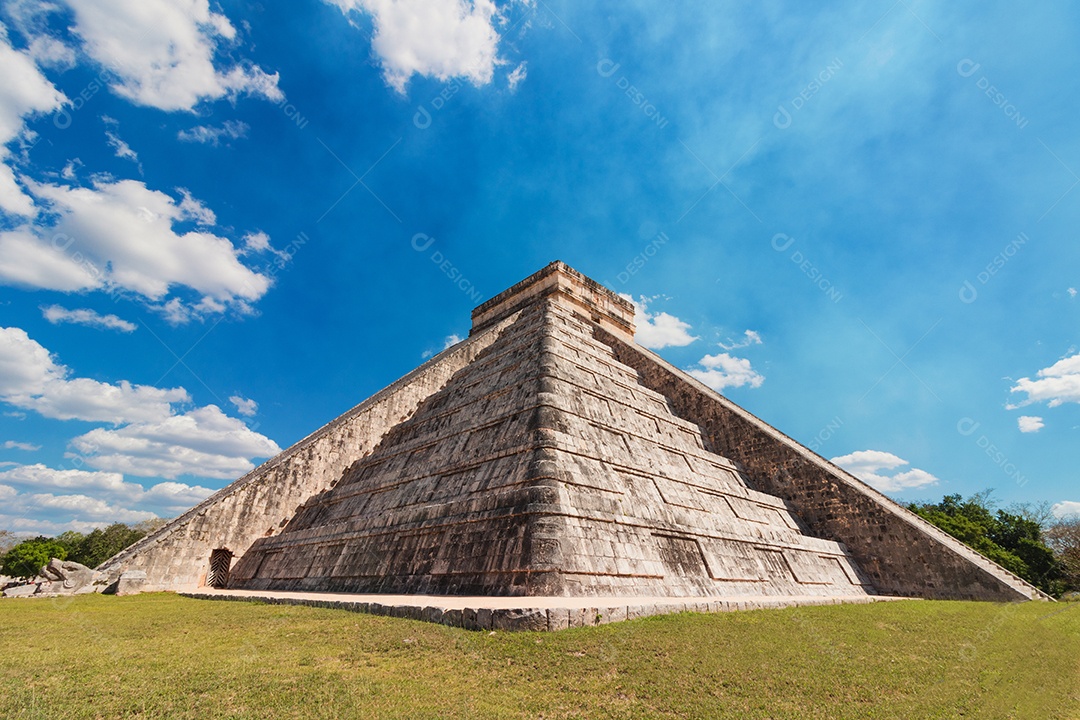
(68, 173)
(120, 148)
(122, 235)
(448, 342)
(169, 497)
(24, 92)
(33, 526)
(517, 75)
(442, 39)
(161, 53)
(15, 445)
(244, 406)
(1065, 508)
(723, 370)
(257, 242)
(869, 466)
(207, 135)
(51, 53)
(31, 19)
(658, 330)
(88, 508)
(84, 316)
(31, 379)
(1057, 384)
(750, 337)
(1029, 423)
(203, 442)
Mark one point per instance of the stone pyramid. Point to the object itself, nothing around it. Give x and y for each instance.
(549, 455)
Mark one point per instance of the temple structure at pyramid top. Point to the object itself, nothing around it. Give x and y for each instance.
(560, 282)
(548, 455)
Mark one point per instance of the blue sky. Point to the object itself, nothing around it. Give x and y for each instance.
(222, 225)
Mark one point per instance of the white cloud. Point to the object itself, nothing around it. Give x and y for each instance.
(257, 242)
(24, 92)
(658, 330)
(203, 442)
(68, 173)
(39, 476)
(51, 53)
(175, 312)
(244, 406)
(448, 342)
(230, 130)
(193, 209)
(750, 337)
(723, 370)
(517, 75)
(1057, 384)
(31, 379)
(32, 527)
(1065, 508)
(167, 496)
(442, 39)
(1029, 423)
(1072, 292)
(161, 52)
(121, 235)
(14, 445)
(88, 508)
(121, 148)
(867, 465)
(84, 316)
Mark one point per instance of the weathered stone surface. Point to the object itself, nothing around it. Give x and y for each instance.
(131, 582)
(553, 616)
(548, 455)
(64, 577)
(545, 468)
(519, 619)
(261, 503)
(893, 549)
(21, 590)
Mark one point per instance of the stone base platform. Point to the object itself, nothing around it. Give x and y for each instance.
(526, 613)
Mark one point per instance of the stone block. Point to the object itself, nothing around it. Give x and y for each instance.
(131, 582)
(21, 590)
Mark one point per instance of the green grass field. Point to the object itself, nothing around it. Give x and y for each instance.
(160, 655)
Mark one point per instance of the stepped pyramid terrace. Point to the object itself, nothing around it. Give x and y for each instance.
(548, 472)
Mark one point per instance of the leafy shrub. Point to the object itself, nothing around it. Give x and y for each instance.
(26, 559)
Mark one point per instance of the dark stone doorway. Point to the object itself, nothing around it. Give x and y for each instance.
(220, 563)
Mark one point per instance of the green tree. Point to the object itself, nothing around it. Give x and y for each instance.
(1013, 540)
(26, 559)
(71, 540)
(99, 545)
(1064, 537)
